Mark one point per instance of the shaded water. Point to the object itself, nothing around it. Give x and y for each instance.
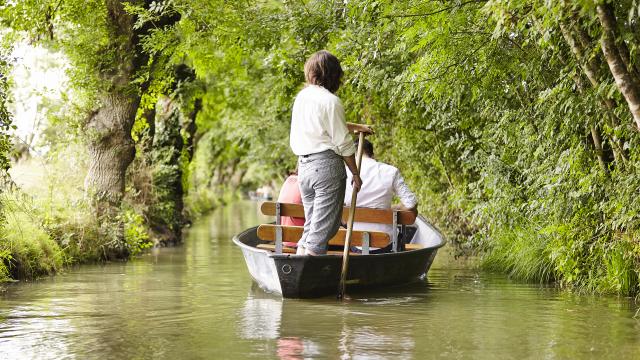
(197, 302)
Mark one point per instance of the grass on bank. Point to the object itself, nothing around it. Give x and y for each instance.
(49, 224)
(573, 259)
(26, 250)
(520, 254)
(582, 253)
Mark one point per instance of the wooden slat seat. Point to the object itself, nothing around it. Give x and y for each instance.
(272, 247)
(267, 232)
(288, 250)
(379, 216)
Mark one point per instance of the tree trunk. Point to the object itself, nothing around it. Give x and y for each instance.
(111, 148)
(591, 67)
(629, 88)
(597, 143)
(625, 55)
(620, 43)
(108, 130)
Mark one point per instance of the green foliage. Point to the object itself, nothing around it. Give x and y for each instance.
(5, 115)
(208, 177)
(165, 210)
(49, 223)
(136, 233)
(26, 249)
(521, 255)
(5, 261)
(482, 105)
(52, 191)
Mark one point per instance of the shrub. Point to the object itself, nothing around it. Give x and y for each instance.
(26, 249)
(135, 232)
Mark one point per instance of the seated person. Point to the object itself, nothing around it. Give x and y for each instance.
(290, 193)
(380, 182)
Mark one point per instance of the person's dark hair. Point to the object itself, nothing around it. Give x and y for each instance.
(323, 69)
(367, 147)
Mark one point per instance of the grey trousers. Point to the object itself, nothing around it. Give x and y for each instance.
(322, 180)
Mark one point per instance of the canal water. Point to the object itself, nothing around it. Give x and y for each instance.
(197, 301)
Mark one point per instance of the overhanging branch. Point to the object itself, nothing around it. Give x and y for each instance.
(433, 12)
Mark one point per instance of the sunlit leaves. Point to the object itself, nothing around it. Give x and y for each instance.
(5, 115)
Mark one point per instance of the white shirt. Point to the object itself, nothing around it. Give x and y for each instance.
(318, 123)
(380, 182)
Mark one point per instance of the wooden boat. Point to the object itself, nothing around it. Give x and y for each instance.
(277, 269)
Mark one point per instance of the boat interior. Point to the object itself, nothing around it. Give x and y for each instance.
(280, 239)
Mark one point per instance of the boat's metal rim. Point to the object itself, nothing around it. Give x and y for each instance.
(436, 229)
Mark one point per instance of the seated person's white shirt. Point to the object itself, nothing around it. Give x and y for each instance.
(380, 182)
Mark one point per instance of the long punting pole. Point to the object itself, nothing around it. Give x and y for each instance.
(352, 212)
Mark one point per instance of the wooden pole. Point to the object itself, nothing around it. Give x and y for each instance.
(352, 212)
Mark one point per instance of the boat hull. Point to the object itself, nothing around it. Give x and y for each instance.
(298, 276)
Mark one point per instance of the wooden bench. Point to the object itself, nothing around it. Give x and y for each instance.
(289, 250)
(269, 232)
(379, 216)
(280, 234)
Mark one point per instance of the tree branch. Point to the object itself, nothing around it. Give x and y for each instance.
(625, 81)
(433, 12)
(443, 70)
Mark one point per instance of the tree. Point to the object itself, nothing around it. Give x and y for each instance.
(5, 116)
(617, 54)
(104, 41)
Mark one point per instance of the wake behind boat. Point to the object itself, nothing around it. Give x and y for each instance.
(276, 268)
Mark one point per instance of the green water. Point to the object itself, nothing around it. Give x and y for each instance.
(197, 302)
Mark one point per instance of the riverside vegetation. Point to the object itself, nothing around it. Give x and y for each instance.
(515, 121)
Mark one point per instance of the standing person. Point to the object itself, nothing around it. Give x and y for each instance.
(321, 138)
(381, 183)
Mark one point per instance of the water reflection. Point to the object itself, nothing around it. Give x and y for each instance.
(290, 348)
(20, 323)
(326, 327)
(260, 317)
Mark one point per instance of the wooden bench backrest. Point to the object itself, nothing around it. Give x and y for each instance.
(267, 232)
(379, 216)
